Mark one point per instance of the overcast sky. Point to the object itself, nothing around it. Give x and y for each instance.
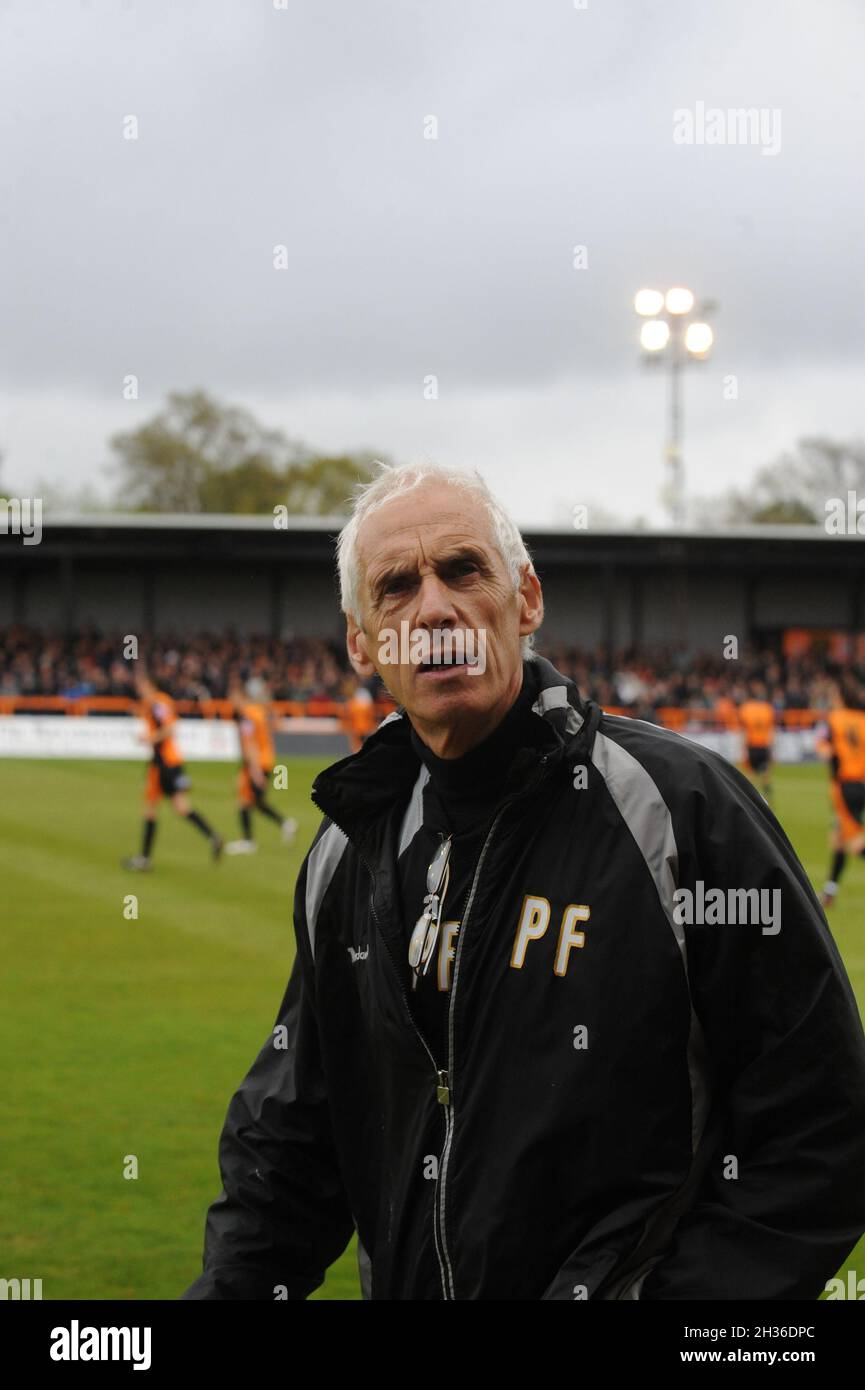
(409, 257)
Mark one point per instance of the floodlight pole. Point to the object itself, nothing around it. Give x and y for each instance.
(675, 462)
(672, 336)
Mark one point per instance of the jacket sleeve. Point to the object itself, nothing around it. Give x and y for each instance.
(783, 1199)
(283, 1215)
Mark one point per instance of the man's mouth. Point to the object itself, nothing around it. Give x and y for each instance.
(441, 665)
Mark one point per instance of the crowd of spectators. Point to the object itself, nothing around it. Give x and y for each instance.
(641, 680)
(188, 668)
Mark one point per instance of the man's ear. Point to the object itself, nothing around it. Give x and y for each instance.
(531, 601)
(357, 646)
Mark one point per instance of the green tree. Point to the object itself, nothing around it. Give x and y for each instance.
(323, 486)
(199, 455)
(795, 487)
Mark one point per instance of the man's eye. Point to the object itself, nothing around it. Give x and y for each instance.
(461, 567)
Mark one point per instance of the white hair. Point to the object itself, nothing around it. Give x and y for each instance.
(394, 479)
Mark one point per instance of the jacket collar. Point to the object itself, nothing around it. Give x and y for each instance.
(355, 792)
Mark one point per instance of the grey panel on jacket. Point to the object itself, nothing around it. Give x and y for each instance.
(647, 816)
(321, 866)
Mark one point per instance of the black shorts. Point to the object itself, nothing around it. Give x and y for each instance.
(758, 758)
(853, 796)
(172, 779)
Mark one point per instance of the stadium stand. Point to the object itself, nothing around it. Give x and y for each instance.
(86, 666)
(205, 594)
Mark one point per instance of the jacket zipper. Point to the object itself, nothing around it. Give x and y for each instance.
(442, 1085)
(442, 1089)
(445, 1099)
(444, 1079)
(441, 1191)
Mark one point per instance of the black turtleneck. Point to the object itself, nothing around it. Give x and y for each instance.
(468, 788)
(460, 799)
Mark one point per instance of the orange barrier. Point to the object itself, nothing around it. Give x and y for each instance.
(671, 717)
(199, 709)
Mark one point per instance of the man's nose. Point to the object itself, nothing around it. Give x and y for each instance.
(434, 608)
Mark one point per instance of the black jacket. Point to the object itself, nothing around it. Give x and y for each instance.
(659, 1110)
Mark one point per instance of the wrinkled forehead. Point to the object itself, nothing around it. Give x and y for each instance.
(421, 523)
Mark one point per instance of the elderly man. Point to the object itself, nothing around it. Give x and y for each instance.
(565, 1019)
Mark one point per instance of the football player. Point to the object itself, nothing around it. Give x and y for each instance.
(258, 756)
(757, 719)
(166, 775)
(841, 742)
(360, 715)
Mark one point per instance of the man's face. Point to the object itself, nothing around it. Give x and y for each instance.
(427, 558)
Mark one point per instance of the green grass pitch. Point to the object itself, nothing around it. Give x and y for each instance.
(128, 1037)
